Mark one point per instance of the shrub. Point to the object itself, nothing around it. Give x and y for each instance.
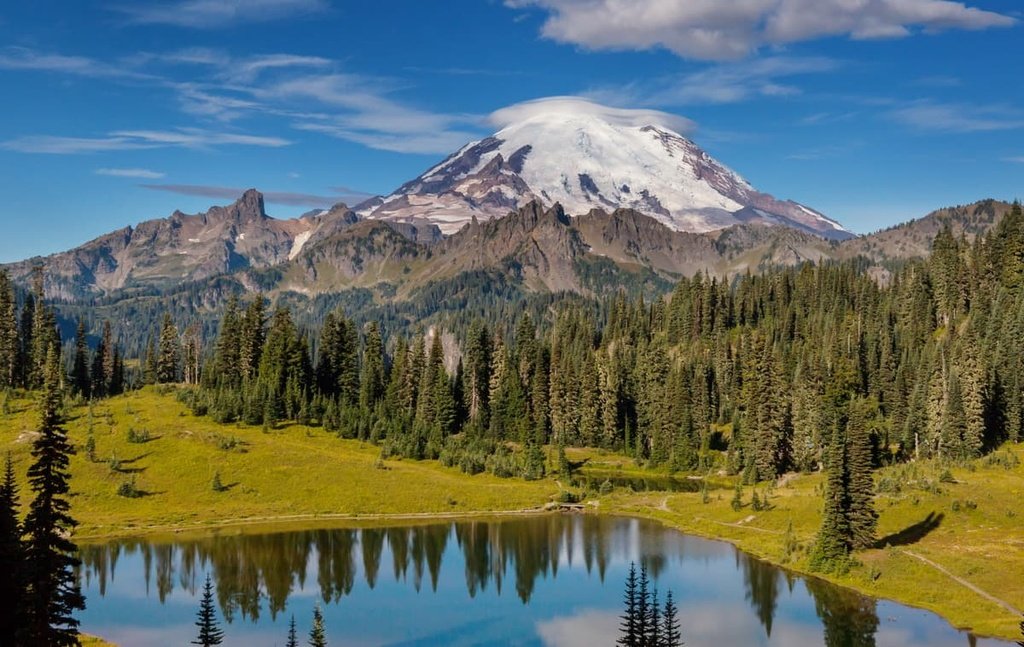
(128, 489)
(138, 436)
(606, 487)
(216, 485)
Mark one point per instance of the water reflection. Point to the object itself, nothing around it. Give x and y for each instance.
(553, 580)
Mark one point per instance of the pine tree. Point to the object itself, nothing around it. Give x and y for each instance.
(629, 630)
(12, 588)
(372, 379)
(227, 350)
(317, 635)
(252, 337)
(830, 549)
(671, 632)
(862, 520)
(293, 639)
(8, 334)
(169, 359)
(206, 619)
(53, 593)
(654, 628)
(643, 607)
(80, 382)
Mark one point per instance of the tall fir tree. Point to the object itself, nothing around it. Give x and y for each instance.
(671, 632)
(8, 333)
(169, 358)
(293, 637)
(629, 628)
(210, 632)
(80, 382)
(52, 589)
(12, 558)
(317, 634)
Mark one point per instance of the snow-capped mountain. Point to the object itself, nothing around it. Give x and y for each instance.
(585, 156)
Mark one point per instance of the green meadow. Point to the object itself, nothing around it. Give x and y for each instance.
(945, 529)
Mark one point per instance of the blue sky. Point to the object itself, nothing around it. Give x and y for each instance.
(872, 111)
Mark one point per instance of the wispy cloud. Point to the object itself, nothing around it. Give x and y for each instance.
(721, 83)
(21, 58)
(135, 140)
(275, 197)
(715, 30)
(307, 93)
(958, 117)
(131, 172)
(212, 14)
(1015, 160)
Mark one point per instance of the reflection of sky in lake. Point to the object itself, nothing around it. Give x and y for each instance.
(555, 563)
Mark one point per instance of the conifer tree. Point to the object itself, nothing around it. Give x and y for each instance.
(252, 337)
(12, 584)
(372, 379)
(52, 594)
(862, 520)
(80, 382)
(206, 619)
(8, 334)
(671, 632)
(629, 629)
(830, 548)
(293, 639)
(317, 635)
(169, 359)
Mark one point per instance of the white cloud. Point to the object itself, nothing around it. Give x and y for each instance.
(21, 58)
(1015, 160)
(135, 140)
(958, 117)
(722, 30)
(307, 93)
(577, 105)
(209, 14)
(130, 172)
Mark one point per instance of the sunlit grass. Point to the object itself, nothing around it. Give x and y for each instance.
(974, 531)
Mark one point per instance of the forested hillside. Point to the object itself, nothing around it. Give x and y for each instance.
(766, 368)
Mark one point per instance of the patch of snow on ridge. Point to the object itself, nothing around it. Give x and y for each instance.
(298, 244)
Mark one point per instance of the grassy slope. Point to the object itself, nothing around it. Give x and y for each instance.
(302, 473)
(290, 472)
(984, 546)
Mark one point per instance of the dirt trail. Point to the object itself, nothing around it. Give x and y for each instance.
(959, 580)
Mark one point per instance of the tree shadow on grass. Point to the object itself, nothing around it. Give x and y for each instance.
(914, 533)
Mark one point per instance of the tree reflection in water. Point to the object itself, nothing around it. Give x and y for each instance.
(256, 573)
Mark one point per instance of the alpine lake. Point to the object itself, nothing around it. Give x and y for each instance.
(553, 579)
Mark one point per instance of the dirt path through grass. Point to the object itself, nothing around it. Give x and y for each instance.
(959, 580)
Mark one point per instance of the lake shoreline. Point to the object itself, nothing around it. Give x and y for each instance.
(253, 525)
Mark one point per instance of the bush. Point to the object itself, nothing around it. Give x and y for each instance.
(138, 436)
(606, 487)
(128, 489)
(946, 477)
(216, 485)
(565, 496)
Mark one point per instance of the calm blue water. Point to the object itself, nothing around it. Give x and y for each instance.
(551, 580)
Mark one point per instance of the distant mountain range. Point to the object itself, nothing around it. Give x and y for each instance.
(537, 247)
(564, 200)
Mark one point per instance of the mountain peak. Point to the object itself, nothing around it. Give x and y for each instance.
(584, 156)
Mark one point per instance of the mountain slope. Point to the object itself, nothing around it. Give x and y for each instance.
(160, 253)
(577, 156)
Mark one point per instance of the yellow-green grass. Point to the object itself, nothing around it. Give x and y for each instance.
(295, 473)
(305, 476)
(983, 546)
